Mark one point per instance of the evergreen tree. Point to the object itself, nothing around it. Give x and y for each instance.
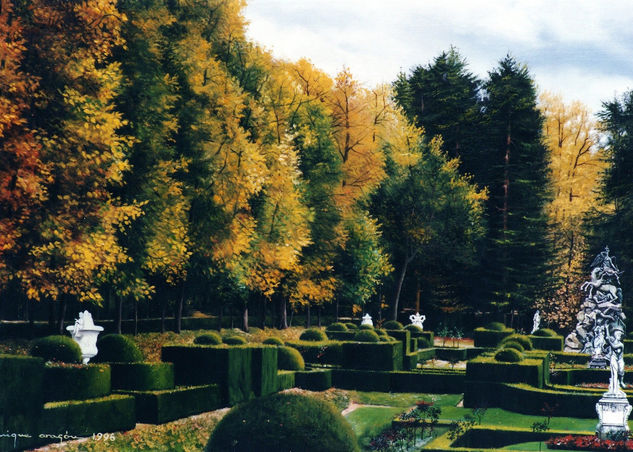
(516, 263)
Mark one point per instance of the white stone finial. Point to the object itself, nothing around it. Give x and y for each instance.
(417, 319)
(367, 320)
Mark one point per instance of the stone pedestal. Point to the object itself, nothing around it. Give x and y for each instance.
(598, 362)
(613, 412)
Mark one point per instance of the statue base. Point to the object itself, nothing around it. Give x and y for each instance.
(613, 412)
(598, 362)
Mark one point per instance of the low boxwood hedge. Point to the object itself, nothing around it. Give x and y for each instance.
(545, 332)
(337, 326)
(341, 335)
(547, 342)
(528, 371)
(313, 334)
(489, 338)
(392, 325)
(326, 352)
(361, 380)
(117, 348)
(142, 376)
(366, 336)
(440, 381)
(509, 355)
(76, 381)
(378, 356)
(209, 338)
(290, 359)
(521, 339)
(158, 407)
(285, 379)
(351, 326)
(451, 354)
(234, 340)
(57, 348)
(314, 380)
(273, 341)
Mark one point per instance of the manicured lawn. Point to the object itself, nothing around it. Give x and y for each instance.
(368, 422)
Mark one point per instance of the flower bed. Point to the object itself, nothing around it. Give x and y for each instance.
(591, 442)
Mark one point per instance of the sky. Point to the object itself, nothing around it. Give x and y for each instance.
(581, 49)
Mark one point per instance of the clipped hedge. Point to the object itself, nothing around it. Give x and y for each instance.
(57, 348)
(572, 377)
(451, 354)
(554, 343)
(440, 381)
(378, 356)
(158, 407)
(234, 340)
(365, 327)
(290, 359)
(413, 328)
(76, 381)
(509, 355)
(142, 376)
(489, 338)
(209, 338)
(326, 352)
(285, 379)
(515, 345)
(314, 380)
(351, 326)
(545, 332)
(117, 348)
(273, 341)
(366, 336)
(392, 325)
(521, 339)
(313, 334)
(495, 326)
(264, 367)
(361, 380)
(337, 326)
(341, 335)
(404, 336)
(529, 371)
(283, 423)
(113, 413)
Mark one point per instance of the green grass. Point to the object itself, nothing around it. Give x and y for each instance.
(532, 445)
(403, 399)
(368, 422)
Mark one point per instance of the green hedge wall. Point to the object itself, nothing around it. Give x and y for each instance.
(571, 358)
(76, 382)
(230, 367)
(474, 352)
(575, 376)
(489, 338)
(340, 335)
(496, 438)
(314, 380)
(433, 381)
(451, 353)
(285, 379)
(404, 336)
(326, 352)
(361, 380)
(547, 343)
(410, 361)
(21, 398)
(83, 418)
(428, 335)
(530, 371)
(424, 354)
(378, 356)
(264, 368)
(158, 407)
(628, 345)
(142, 376)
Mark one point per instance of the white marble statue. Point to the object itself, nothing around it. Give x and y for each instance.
(417, 319)
(85, 333)
(367, 320)
(536, 321)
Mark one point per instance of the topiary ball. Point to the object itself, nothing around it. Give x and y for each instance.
(413, 328)
(273, 341)
(366, 336)
(392, 325)
(508, 355)
(351, 326)
(545, 332)
(283, 422)
(495, 326)
(313, 334)
(338, 326)
(234, 340)
(57, 348)
(117, 348)
(365, 327)
(515, 345)
(385, 339)
(381, 332)
(210, 338)
(289, 358)
(521, 339)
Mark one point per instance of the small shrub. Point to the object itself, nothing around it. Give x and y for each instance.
(208, 339)
(521, 339)
(338, 326)
(116, 348)
(367, 336)
(508, 355)
(495, 326)
(283, 423)
(234, 340)
(351, 326)
(289, 358)
(545, 332)
(365, 327)
(273, 341)
(392, 325)
(515, 345)
(313, 334)
(413, 328)
(57, 348)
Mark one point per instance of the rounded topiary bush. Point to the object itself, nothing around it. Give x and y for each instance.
(385, 339)
(116, 348)
(234, 340)
(413, 328)
(313, 334)
(545, 332)
(521, 339)
(381, 332)
(367, 336)
(283, 423)
(365, 327)
(495, 326)
(210, 338)
(392, 325)
(57, 348)
(351, 326)
(515, 345)
(273, 341)
(289, 358)
(508, 355)
(338, 326)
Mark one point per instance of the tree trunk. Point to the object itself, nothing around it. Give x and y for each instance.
(135, 316)
(396, 298)
(319, 316)
(163, 311)
(51, 314)
(30, 310)
(119, 313)
(417, 295)
(62, 314)
(308, 317)
(292, 314)
(220, 315)
(283, 324)
(336, 309)
(245, 318)
(181, 302)
(262, 314)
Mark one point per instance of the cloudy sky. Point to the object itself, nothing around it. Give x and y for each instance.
(582, 49)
